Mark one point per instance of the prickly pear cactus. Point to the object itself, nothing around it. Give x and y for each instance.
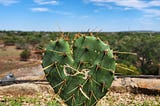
(81, 73)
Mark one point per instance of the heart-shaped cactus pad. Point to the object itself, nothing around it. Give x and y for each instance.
(80, 71)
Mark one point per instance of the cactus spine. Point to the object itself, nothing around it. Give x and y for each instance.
(81, 73)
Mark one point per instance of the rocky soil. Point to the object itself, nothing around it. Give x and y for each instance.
(44, 93)
(124, 91)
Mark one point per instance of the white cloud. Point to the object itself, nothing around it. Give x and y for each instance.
(154, 3)
(127, 8)
(62, 13)
(42, 9)
(8, 2)
(152, 12)
(147, 7)
(84, 17)
(39, 9)
(125, 3)
(45, 2)
(105, 5)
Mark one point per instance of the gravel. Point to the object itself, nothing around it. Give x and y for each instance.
(129, 99)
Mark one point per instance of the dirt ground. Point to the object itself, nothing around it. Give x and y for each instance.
(42, 93)
(10, 61)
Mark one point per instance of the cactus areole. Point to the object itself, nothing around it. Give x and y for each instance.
(80, 73)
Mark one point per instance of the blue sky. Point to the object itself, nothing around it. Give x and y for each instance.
(80, 15)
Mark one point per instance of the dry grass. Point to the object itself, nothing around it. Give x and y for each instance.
(10, 60)
(9, 53)
(29, 101)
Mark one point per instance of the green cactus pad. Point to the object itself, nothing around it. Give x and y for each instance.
(81, 73)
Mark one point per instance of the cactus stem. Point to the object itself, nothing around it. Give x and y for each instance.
(80, 70)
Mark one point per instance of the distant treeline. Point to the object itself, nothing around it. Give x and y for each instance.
(137, 51)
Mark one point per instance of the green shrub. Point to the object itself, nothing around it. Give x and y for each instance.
(25, 54)
(127, 70)
(53, 103)
(9, 42)
(21, 45)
